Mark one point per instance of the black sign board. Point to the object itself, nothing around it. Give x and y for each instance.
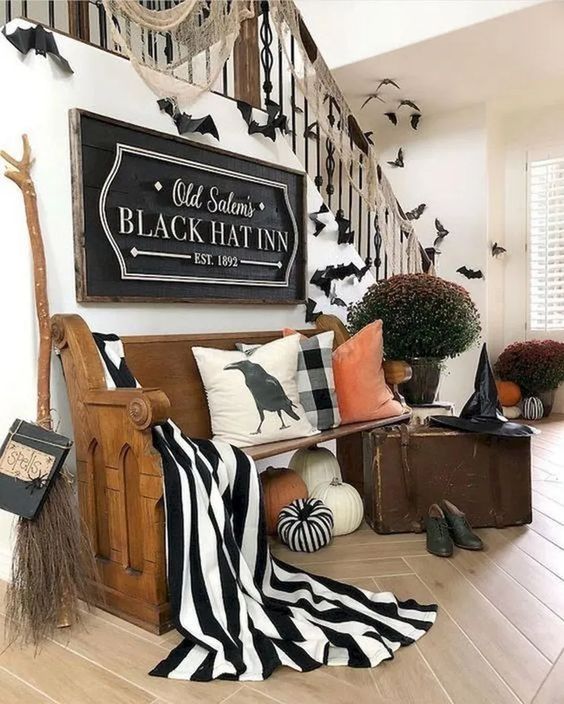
(162, 218)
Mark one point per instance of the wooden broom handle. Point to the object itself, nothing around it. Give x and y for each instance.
(20, 174)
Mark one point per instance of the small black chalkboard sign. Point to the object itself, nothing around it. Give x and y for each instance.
(30, 457)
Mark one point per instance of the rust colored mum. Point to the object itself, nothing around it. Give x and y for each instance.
(423, 316)
(535, 365)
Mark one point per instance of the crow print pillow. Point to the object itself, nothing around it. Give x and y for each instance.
(254, 400)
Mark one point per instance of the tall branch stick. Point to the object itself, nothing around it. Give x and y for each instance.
(20, 173)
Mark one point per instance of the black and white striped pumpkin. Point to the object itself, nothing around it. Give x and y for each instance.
(305, 525)
(532, 408)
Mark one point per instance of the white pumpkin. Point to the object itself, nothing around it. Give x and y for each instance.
(345, 503)
(511, 412)
(315, 465)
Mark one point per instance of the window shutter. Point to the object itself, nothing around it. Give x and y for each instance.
(546, 244)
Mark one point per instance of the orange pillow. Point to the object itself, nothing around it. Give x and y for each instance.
(359, 378)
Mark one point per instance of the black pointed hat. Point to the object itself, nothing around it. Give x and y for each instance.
(482, 412)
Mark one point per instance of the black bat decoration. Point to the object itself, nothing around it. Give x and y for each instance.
(276, 120)
(416, 213)
(368, 137)
(470, 273)
(319, 225)
(392, 117)
(335, 300)
(346, 235)
(39, 39)
(409, 104)
(442, 232)
(372, 96)
(324, 278)
(312, 131)
(387, 82)
(186, 124)
(311, 315)
(399, 162)
(497, 249)
(414, 119)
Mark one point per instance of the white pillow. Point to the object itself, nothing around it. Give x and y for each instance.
(254, 401)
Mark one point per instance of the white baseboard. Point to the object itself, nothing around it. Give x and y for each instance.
(5, 565)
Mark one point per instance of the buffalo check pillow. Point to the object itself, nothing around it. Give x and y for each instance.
(316, 385)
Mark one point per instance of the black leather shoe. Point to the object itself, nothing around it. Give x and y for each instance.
(439, 541)
(462, 534)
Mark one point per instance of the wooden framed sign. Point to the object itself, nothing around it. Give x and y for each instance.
(158, 217)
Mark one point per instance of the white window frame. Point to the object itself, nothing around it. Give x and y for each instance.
(533, 155)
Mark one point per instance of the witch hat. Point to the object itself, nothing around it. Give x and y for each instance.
(482, 412)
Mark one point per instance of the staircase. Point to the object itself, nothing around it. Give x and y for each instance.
(259, 71)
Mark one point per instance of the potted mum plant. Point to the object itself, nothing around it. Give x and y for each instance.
(425, 320)
(536, 366)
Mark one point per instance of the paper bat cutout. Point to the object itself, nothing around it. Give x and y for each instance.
(399, 162)
(392, 117)
(296, 108)
(470, 273)
(372, 96)
(319, 224)
(323, 278)
(186, 124)
(497, 249)
(416, 213)
(414, 119)
(334, 300)
(387, 82)
(311, 131)
(276, 120)
(346, 235)
(442, 232)
(409, 104)
(41, 40)
(311, 315)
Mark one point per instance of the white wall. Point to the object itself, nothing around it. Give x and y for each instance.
(522, 130)
(39, 100)
(445, 167)
(351, 30)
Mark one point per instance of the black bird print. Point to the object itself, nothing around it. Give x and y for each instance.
(387, 82)
(266, 390)
(372, 96)
(392, 117)
(398, 163)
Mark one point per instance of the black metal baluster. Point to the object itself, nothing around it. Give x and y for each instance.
(318, 180)
(306, 143)
(149, 5)
(8, 5)
(293, 95)
(368, 242)
(24, 8)
(51, 13)
(330, 159)
(360, 204)
(280, 81)
(266, 57)
(351, 173)
(377, 246)
(102, 25)
(225, 87)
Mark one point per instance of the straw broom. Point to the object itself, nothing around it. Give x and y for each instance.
(52, 562)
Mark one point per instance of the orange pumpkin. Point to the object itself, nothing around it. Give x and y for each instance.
(280, 487)
(508, 392)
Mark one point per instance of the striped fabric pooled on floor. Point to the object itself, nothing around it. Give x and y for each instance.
(242, 612)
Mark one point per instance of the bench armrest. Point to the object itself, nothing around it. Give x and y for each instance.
(144, 407)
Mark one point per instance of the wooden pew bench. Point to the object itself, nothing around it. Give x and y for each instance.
(118, 471)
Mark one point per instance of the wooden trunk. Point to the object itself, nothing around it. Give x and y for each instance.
(489, 478)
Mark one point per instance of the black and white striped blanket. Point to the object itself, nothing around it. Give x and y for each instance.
(242, 612)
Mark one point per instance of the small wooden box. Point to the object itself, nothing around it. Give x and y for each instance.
(405, 471)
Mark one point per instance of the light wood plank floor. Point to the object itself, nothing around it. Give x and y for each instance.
(498, 639)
